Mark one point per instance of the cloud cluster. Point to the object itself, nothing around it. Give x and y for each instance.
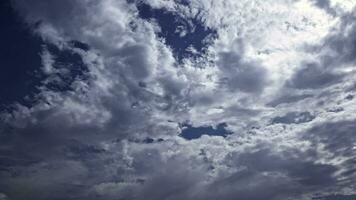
(277, 76)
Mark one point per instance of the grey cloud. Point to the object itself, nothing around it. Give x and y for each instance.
(261, 174)
(336, 197)
(40, 11)
(147, 174)
(294, 118)
(174, 178)
(136, 61)
(313, 76)
(69, 175)
(3, 196)
(335, 109)
(251, 186)
(337, 49)
(338, 137)
(124, 67)
(241, 75)
(286, 99)
(99, 110)
(334, 52)
(304, 172)
(343, 41)
(179, 177)
(269, 175)
(349, 97)
(46, 180)
(172, 187)
(56, 150)
(325, 4)
(338, 140)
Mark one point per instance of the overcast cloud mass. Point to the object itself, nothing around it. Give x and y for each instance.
(178, 100)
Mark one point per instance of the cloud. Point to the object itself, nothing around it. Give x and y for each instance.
(325, 4)
(288, 99)
(240, 75)
(265, 81)
(336, 137)
(294, 117)
(314, 76)
(332, 197)
(3, 196)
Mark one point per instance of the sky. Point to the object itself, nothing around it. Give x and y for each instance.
(178, 99)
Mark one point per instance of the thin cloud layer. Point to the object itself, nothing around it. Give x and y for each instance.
(236, 100)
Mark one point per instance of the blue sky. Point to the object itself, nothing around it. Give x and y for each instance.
(171, 100)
